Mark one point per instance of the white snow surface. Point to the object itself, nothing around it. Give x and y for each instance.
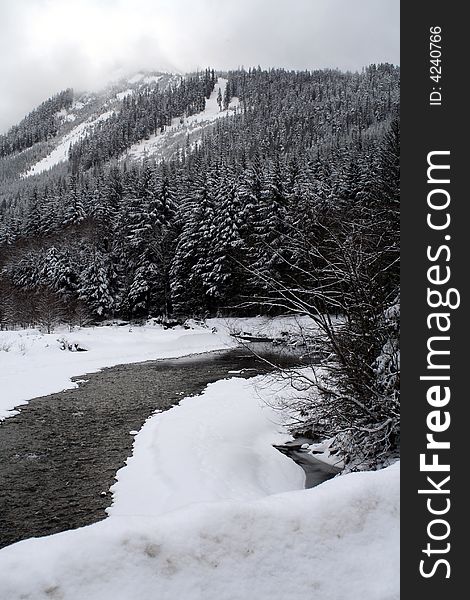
(152, 79)
(214, 447)
(60, 152)
(66, 116)
(338, 541)
(32, 364)
(206, 508)
(268, 327)
(187, 125)
(124, 94)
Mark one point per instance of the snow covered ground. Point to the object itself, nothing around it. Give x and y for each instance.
(206, 509)
(124, 94)
(217, 446)
(152, 79)
(185, 125)
(61, 152)
(268, 327)
(33, 364)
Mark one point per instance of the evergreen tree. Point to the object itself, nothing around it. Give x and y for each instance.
(192, 267)
(225, 274)
(95, 285)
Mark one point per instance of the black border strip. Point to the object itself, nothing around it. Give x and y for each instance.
(425, 129)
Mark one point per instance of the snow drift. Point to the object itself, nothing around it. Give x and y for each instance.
(202, 511)
(338, 541)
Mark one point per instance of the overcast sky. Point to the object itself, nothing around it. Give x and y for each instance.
(48, 45)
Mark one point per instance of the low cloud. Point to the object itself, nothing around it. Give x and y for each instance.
(48, 45)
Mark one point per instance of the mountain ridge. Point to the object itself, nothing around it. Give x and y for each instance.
(277, 158)
(84, 108)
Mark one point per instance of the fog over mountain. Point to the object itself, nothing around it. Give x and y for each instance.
(49, 45)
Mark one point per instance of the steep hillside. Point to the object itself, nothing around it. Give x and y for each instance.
(186, 130)
(166, 194)
(42, 140)
(260, 191)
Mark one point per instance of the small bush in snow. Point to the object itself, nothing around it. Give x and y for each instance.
(70, 346)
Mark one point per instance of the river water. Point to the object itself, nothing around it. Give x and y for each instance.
(59, 456)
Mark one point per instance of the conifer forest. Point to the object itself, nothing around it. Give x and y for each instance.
(286, 204)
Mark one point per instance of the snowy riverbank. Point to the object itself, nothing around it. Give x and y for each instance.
(206, 509)
(33, 364)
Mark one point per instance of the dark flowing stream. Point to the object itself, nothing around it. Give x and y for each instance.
(60, 454)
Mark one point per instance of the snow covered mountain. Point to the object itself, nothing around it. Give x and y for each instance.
(233, 159)
(88, 111)
(277, 187)
(182, 128)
